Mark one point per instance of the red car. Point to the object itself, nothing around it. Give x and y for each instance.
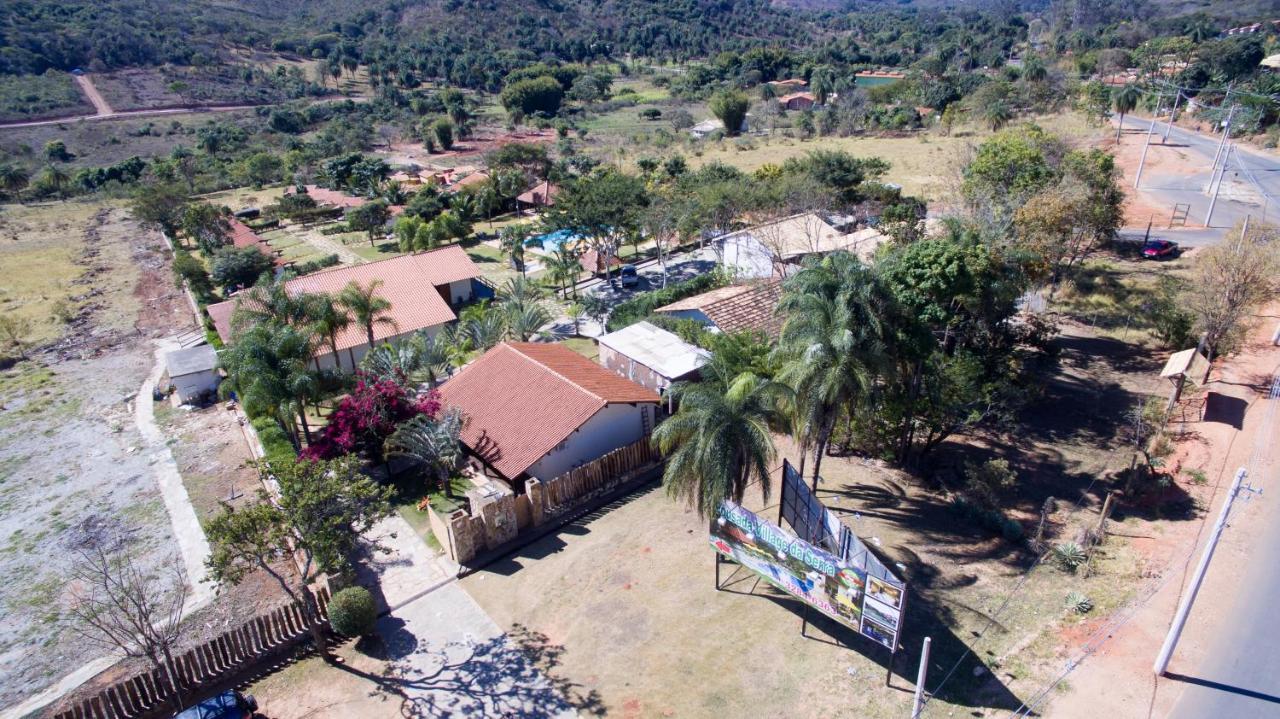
(1159, 249)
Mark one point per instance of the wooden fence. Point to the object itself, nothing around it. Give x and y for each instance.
(222, 658)
(607, 472)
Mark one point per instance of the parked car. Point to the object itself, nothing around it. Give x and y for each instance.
(1159, 249)
(227, 705)
(629, 276)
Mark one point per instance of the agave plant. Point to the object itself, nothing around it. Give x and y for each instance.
(1079, 603)
(1069, 556)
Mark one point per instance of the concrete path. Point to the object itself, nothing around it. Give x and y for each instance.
(330, 247)
(449, 659)
(407, 570)
(189, 535)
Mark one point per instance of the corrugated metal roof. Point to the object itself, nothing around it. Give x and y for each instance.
(655, 348)
(523, 399)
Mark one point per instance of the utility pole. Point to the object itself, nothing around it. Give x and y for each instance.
(1180, 619)
(1208, 218)
(1226, 132)
(1173, 115)
(1150, 128)
(917, 704)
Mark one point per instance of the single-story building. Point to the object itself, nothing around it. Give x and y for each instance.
(774, 249)
(798, 101)
(750, 307)
(339, 199)
(243, 236)
(193, 372)
(539, 410)
(540, 195)
(425, 291)
(592, 261)
(475, 179)
(792, 84)
(651, 356)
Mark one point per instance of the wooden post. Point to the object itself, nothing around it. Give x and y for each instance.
(804, 620)
(1106, 512)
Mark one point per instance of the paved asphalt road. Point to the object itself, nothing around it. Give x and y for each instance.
(1252, 184)
(1240, 677)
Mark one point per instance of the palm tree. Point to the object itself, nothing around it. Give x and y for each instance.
(513, 238)
(328, 319)
(564, 267)
(1125, 99)
(719, 441)
(433, 444)
(269, 302)
(55, 178)
(13, 178)
(1034, 70)
(486, 330)
(269, 369)
(997, 115)
(830, 345)
(366, 307)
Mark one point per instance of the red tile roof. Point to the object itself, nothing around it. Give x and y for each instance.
(796, 96)
(242, 236)
(325, 196)
(593, 262)
(409, 282)
(751, 311)
(475, 178)
(522, 399)
(542, 194)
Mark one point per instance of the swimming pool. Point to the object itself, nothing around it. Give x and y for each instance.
(551, 241)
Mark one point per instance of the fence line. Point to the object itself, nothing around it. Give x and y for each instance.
(148, 694)
(602, 474)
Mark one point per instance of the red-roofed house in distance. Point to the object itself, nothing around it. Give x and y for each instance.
(540, 195)
(243, 236)
(797, 101)
(425, 290)
(540, 410)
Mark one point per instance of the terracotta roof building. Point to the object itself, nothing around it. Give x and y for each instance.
(243, 236)
(542, 194)
(472, 180)
(798, 101)
(423, 290)
(775, 248)
(740, 308)
(540, 410)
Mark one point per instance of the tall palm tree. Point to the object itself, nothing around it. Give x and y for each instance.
(564, 267)
(269, 302)
(719, 441)
(486, 330)
(434, 444)
(997, 115)
(269, 369)
(522, 310)
(57, 179)
(13, 178)
(1125, 99)
(328, 318)
(830, 345)
(513, 238)
(367, 308)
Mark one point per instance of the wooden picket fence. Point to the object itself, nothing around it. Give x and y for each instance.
(603, 474)
(224, 657)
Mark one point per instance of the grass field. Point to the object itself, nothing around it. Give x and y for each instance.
(924, 164)
(30, 97)
(42, 248)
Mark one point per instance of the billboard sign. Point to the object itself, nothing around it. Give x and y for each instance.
(845, 593)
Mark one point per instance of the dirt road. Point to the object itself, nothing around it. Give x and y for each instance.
(99, 103)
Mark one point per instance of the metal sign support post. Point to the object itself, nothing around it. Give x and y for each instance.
(917, 703)
(897, 636)
(719, 559)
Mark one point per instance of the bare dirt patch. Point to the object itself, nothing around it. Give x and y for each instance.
(71, 471)
(464, 151)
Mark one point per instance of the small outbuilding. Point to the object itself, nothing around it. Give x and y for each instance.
(651, 356)
(193, 372)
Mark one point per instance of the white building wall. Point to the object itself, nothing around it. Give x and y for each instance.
(188, 387)
(459, 291)
(614, 426)
(747, 258)
(324, 358)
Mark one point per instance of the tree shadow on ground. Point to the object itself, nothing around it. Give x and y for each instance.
(511, 675)
(972, 684)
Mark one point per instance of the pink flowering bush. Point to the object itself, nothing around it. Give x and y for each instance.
(365, 418)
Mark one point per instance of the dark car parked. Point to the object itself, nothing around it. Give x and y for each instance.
(227, 705)
(629, 276)
(1159, 249)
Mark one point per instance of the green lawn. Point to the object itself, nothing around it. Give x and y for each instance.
(584, 346)
(382, 250)
(410, 488)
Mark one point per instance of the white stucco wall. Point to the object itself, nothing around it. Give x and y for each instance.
(459, 291)
(747, 258)
(617, 425)
(324, 358)
(188, 387)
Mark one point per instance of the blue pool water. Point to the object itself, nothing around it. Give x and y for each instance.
(551, 241)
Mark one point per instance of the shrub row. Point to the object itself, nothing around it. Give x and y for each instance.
(275, 442)
(306, 268)
(639, 307)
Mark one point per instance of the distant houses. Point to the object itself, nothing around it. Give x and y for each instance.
(540, 410)
(797, 101)
(424, 289)
(242, 236)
